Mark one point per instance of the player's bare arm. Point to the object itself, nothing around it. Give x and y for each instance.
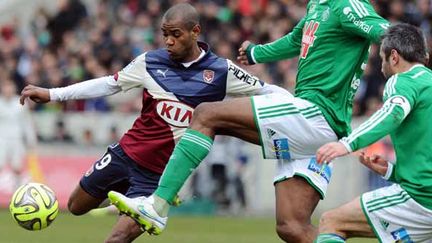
(34, 93)
(242, 57)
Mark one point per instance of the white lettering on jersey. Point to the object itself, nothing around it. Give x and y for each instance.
(357, 22)
(355, 84)
(243, 75)
(175, 113)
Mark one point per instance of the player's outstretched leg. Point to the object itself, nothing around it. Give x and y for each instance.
(141, 210)
(224, 118)
(125, 230)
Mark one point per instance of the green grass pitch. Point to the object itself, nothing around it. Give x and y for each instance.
(181, 229)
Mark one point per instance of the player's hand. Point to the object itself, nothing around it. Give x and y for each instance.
(330, 151)
(375, 163)
(242, 57)
(36, 94)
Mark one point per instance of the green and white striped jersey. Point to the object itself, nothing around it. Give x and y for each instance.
(332, 42)
(404, 115)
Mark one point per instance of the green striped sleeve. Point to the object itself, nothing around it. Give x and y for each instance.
(380, 124)
(286, 47)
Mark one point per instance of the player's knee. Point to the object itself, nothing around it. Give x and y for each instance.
(203, 114)
(290, 231)
(75, 208)
(328, 221)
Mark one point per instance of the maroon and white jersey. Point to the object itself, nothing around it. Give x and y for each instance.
(171, 91)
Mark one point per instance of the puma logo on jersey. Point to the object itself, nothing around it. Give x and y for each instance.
(162, 72)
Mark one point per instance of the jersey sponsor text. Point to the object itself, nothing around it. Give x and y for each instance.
(175, 113)
(357, 22)
(308, 37)
(242, 75)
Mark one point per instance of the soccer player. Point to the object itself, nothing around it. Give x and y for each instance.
(17, 133)
(174, 81)
(401, 212)
(332, 42)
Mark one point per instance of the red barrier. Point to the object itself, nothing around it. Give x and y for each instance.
(61, 174)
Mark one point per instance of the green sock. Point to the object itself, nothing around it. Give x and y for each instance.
(192, 148)
(329, 238)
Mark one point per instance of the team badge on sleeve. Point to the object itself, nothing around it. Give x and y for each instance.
(208, 76)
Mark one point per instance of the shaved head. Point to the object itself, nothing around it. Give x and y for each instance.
(183, 12)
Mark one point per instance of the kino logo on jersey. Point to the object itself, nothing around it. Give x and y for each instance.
(175, 113)
(281, 148)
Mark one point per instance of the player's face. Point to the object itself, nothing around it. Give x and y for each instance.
(179, 40)
(385, 66)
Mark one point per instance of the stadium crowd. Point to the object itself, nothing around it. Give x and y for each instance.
(77, 44)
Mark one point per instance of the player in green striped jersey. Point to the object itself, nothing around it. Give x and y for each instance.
(401, 212)
(332, 41)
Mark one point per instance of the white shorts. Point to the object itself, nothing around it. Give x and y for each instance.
(395, 216)
(318, 176)
(12, 152)
(291, 130)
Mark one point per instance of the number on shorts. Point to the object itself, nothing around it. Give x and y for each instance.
(103, 162)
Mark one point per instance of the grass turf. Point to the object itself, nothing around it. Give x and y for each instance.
(181, 229)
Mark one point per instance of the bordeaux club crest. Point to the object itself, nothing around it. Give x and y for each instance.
(208, 76)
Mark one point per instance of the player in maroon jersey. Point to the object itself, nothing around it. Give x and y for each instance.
(174, 81)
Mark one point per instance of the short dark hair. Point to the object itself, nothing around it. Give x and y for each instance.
(184, 12)
(408, 40)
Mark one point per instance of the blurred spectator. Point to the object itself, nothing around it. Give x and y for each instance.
(227, 164)
(17, 134)
(70, 13)
(113, 135)
(77, 43)
(61, 134)
(87, 137)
